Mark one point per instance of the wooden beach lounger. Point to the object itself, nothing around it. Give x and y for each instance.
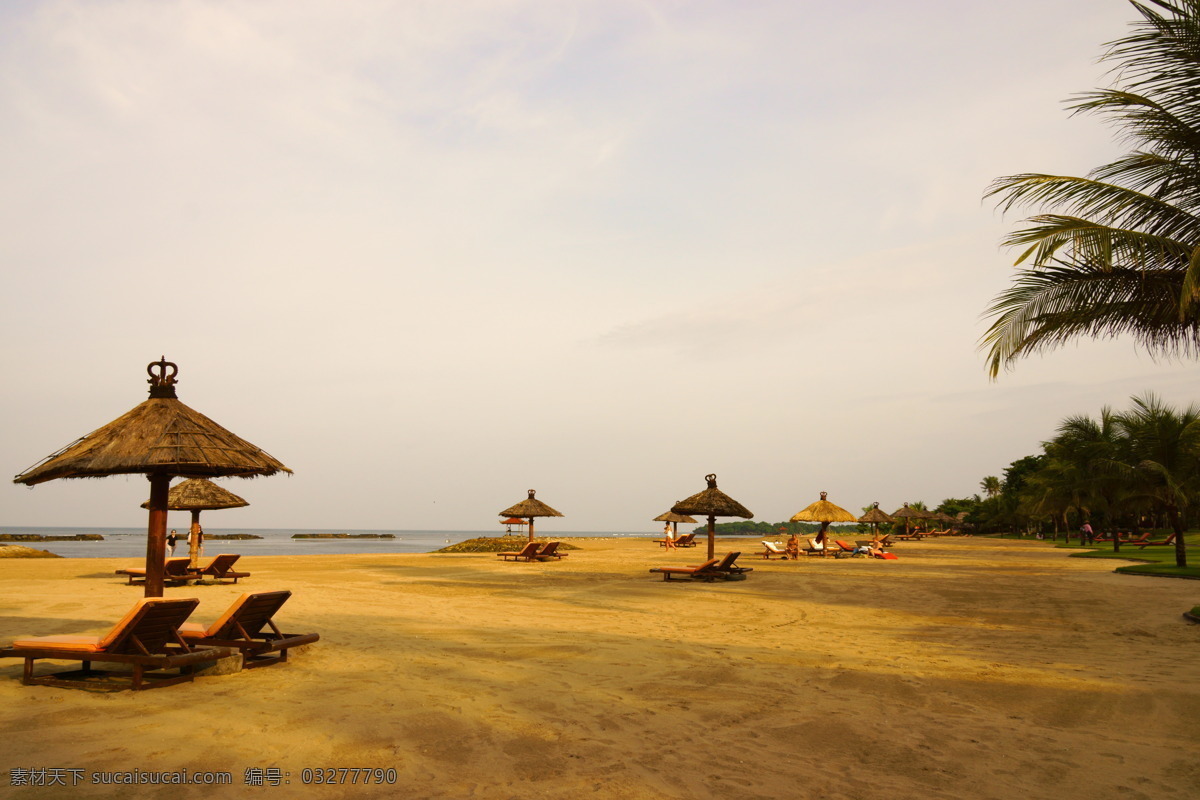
(549, 551)
(774, 549)
(175, 573)
(221, 568)
(813, 549)
(241, 627)
(528, 553)
(708, 571)
(146, 638)
(846, 549)
(1143, 545)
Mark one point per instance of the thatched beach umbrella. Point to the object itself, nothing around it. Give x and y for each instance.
(530, 507)
(160, 438)
(674, 519)
(712, 503)
(907, 512)
(196, 495)
(874, 517)
(823, 512)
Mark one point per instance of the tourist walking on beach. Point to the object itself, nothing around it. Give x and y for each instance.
(172, 538)
(668, 539)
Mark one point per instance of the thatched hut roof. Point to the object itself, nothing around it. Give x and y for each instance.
(513, 521)
(712, 502)
(200, 494)
(671, 516)
(530, 507)
(161, 436)
(911, 513)
(824, 511)
(875, 515)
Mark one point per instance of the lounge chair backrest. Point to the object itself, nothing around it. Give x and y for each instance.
(814, 545)
(549, 549)
(249, 613)
(531, 549)
(176, 566)
(222, 563)
(843, 545)
(727, 561)
(151, 623)
(710, 564)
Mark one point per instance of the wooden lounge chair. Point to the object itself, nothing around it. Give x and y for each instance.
(709, 571)
(729, 570)
(146, 638)
(844, 549)
(774, 549)
(1143, 545)
(221, 568)
(549, 551)
(702, 571)
(687, 540)
(528, 553)
(175, 573)
(241, 627)
(813, 549)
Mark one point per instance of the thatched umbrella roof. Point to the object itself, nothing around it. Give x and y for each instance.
(875, 516)
(674, 519)
(200, 494)
(823, 512)
(907, 512)
(530, 507)
(161, 438)
(671, 516)
(712, 503)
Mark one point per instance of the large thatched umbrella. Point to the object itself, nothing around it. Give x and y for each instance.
(712, 503)
(161, 438)
(196, 495)
(823, 512)
(907, 512)
(874, 517)
(674, 519)
(530, 507)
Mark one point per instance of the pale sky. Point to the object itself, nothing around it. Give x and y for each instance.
(433, 254)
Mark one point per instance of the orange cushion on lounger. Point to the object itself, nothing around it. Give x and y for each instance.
(193, 630)
(85, 644)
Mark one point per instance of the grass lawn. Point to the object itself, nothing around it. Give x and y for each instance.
(1158, 560)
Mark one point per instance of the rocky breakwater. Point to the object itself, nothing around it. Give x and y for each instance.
(38, 537)
(343, 536)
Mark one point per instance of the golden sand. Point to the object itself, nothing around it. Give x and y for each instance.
(968, 668)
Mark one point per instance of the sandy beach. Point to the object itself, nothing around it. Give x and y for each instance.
(968, 668)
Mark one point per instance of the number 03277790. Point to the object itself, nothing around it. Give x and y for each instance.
(351, 775)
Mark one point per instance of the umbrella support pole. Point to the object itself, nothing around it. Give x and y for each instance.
(194, 539)
(712, 537)
(156, 534)
(531, 529)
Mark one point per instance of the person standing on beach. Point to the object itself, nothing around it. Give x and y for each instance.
(172, 538)
(1088, 533)
(668, 539)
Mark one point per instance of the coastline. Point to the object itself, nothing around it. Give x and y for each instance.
(968, 667)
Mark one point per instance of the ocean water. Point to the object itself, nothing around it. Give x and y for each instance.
(131, 542)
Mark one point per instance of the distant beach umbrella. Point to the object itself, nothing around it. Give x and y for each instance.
(513, 521)
(712, 503)
(530, 507)
(823, 512)
(907, 512)
(674, 519)
(196, 495)
(161, 438)
(875, 517)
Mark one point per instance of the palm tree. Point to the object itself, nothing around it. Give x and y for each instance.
(1116, 252)
(1095, 451)
(991, 485)
(1164, 466)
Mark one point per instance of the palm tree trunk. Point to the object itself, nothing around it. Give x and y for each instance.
(1177, 526)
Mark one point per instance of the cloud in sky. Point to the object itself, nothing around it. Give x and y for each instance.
(433, 254)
